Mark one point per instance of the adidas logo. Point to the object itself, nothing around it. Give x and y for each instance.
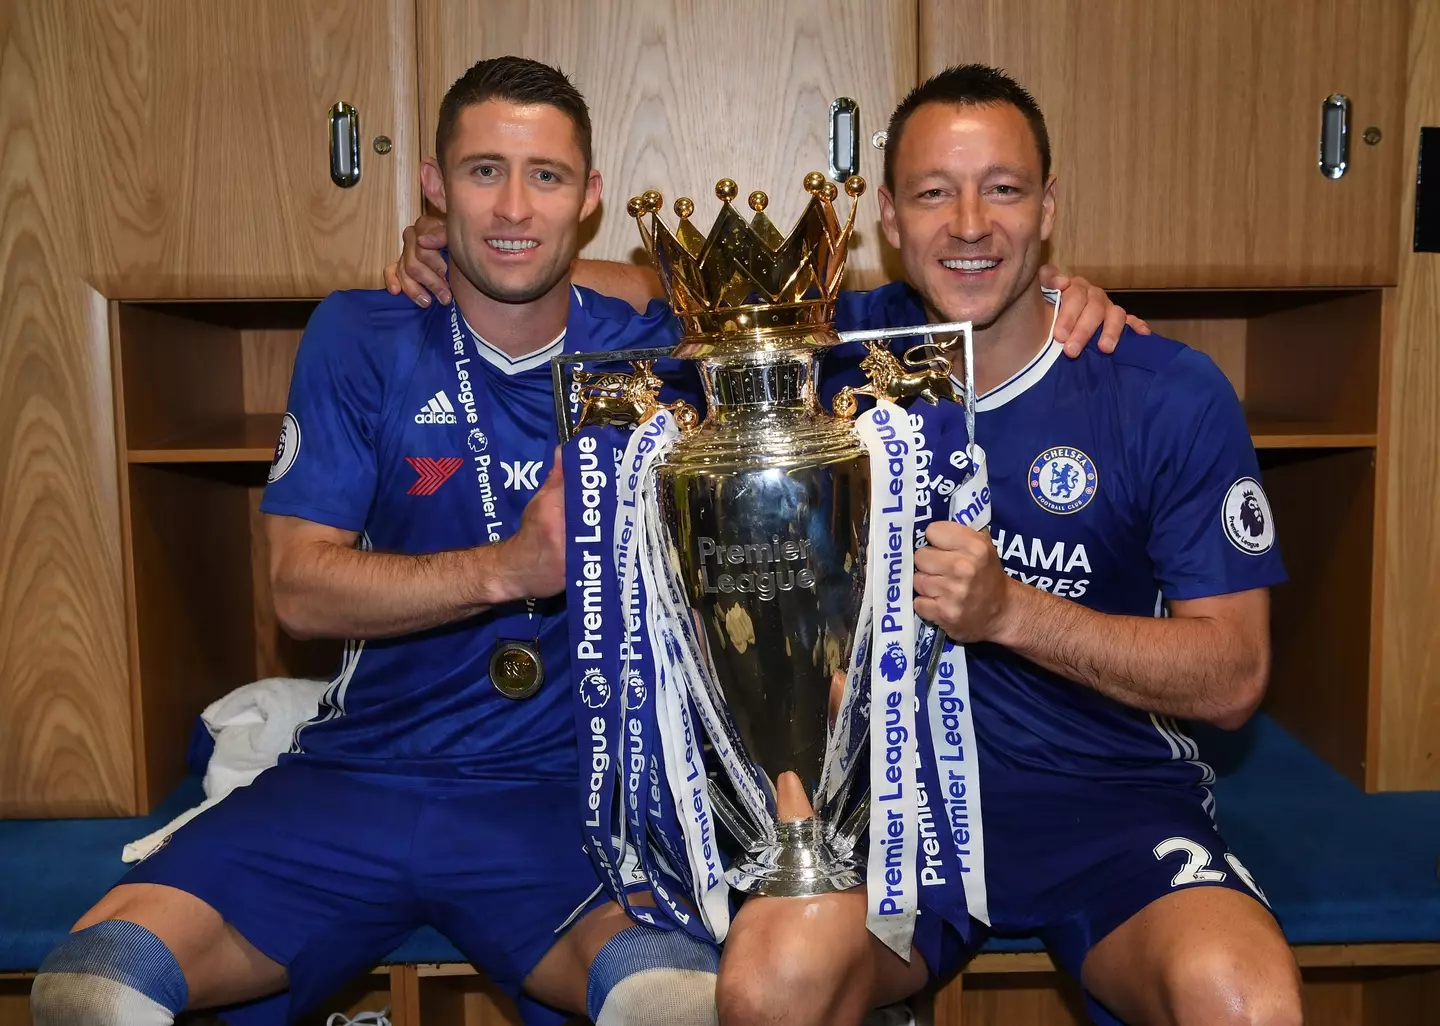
(437, 411)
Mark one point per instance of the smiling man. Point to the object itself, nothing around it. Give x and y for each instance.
(1122, 586)
(406, 513)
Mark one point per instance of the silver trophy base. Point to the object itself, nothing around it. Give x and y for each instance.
(799, 864)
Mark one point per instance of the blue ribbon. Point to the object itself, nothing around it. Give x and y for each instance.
(937, 864)
(596, 631)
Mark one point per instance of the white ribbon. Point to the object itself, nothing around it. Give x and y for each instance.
(678, 737)
(890, 881)
(952, 724)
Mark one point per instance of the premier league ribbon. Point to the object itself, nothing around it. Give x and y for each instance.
(890, 883)
(678, 679)
(952, 723)
(649, 809)
(938, 867)
(949, 768)
(596, 634)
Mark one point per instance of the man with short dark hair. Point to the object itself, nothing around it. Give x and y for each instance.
(1122, 585)
(413, 509)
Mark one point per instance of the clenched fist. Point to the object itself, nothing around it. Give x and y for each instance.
(960, 585)
(534, 556)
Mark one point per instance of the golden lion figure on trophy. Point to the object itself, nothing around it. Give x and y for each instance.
(622, 399)
(919, 375)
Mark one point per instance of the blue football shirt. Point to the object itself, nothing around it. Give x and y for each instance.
(407, 427)
(1121, 482)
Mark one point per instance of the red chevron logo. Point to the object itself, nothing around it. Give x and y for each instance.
(433, 473)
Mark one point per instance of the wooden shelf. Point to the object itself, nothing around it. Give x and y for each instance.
(1273, 434)
(248, 438)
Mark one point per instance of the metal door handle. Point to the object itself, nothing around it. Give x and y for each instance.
(844, 138)
(344, 145)
(1335, 135)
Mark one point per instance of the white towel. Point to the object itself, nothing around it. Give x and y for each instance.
(252, 726)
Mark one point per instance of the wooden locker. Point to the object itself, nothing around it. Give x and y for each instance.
(204, 138)
(1186, 135)
(65, 741)
(1407, 701)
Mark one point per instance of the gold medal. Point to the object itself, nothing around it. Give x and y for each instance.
(516, 669)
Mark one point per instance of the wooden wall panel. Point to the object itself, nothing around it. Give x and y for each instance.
(65, 743)
(268, 357)
(1039, 999)
(1409, 679)
(1333, 999)
(685, 92)
(206, 144)
(1402, 996)
(1185, 134)
(179, 374)
(465, 1001)
(1320, 634)
(1318, 362)
(190, 528)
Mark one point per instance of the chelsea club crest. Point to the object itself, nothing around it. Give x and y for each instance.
(1063, 480)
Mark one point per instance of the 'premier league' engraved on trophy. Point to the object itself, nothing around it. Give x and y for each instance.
(763, 557)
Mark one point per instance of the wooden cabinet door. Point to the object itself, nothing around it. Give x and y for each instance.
(683, 93)
(66, 746)
(206, 143)
(1186, 135)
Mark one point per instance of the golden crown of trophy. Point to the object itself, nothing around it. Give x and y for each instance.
(747, 275)
(764, 511)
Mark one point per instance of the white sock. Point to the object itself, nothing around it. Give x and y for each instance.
(114, 973)
(649, 977)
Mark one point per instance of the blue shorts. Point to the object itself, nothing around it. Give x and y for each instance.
(1068, 860)
(327, 872)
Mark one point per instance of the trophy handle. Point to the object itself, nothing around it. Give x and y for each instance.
(888, 374)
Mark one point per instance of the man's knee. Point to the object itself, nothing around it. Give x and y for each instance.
(114, 973)
(782, 972)
(647, 977)
(1215, 986)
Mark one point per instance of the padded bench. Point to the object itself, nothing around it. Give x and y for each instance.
(1339, 866)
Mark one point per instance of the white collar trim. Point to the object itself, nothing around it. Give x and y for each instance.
(1033, 371)
(507, 364)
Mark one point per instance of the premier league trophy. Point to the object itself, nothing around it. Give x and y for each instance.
(762, 558)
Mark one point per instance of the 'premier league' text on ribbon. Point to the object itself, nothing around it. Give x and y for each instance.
(892, 877)
(595, 624)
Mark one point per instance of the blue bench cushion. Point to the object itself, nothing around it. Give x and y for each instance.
(1339, 866)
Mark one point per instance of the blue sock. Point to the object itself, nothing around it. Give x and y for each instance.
(114, 973)
(649, 977)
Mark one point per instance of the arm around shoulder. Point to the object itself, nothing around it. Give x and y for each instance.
(633, 283)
